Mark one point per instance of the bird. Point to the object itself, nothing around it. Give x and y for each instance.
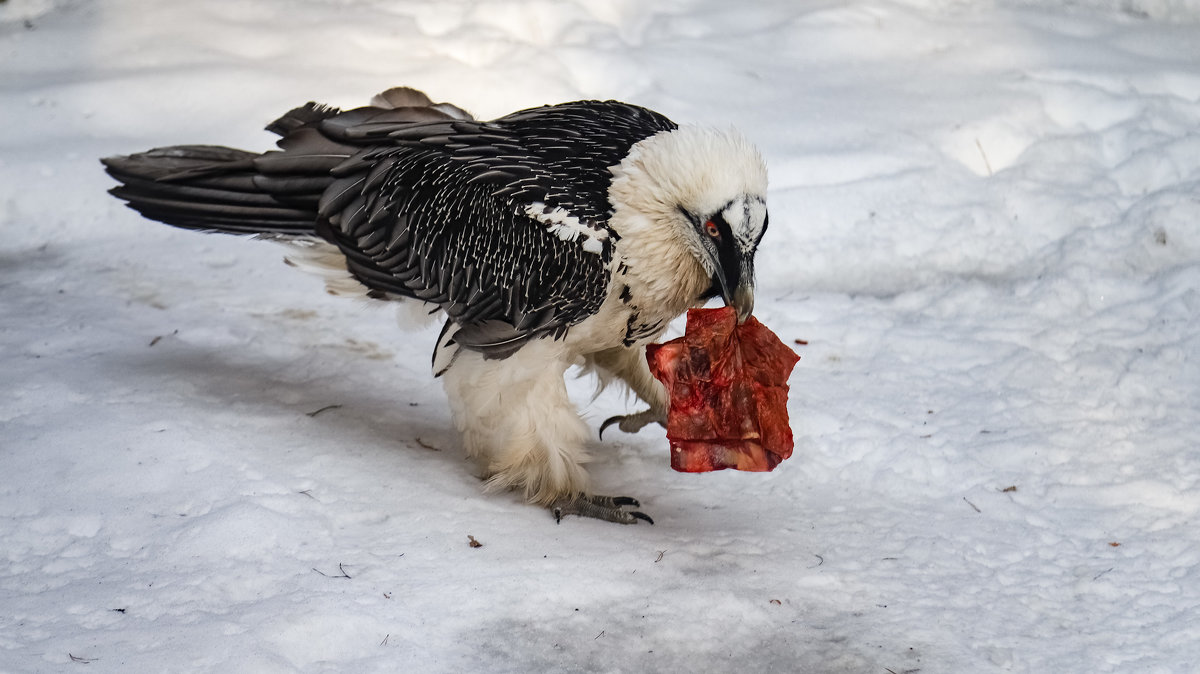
(556, 236)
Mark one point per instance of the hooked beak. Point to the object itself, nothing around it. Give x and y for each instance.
(742, 300)
(737, 289)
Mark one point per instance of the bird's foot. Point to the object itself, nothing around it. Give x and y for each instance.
(632, 423)
(607, 508)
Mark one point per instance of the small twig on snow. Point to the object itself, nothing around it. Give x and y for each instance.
(987, 164)
(340, 568)
(975, 507)
(76, 658)
(427, 445)
(327, 407)
(158, 338)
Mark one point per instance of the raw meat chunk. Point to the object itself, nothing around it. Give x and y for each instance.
(728, 390)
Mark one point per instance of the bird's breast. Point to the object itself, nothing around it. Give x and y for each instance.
(641, 304)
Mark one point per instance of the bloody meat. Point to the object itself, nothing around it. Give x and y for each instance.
(728, 390)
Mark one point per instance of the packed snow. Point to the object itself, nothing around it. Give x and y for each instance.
(984, 244)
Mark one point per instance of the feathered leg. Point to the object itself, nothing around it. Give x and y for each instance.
(516, 418)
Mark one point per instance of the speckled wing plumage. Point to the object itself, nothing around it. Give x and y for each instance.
(502, 224)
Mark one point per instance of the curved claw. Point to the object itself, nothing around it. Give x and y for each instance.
(641, 516)
(632, 423)
(607, 508)
(609, 422)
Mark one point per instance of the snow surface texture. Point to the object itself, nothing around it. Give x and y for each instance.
(985, 223)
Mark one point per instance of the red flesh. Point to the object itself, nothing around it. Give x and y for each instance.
(728, 389)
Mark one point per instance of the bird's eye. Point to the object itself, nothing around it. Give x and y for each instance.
(712, 230)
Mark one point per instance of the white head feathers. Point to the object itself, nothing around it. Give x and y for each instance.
(686, 174)
(700, 169)
(667, 192)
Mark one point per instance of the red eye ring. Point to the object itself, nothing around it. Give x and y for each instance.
(712, 230)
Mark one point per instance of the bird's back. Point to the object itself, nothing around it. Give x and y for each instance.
(503, 224)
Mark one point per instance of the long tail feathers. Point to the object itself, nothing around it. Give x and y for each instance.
(214, 188)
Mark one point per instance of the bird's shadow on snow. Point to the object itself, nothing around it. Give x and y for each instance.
(332, 415)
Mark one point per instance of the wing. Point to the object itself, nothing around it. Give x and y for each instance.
(503, 224)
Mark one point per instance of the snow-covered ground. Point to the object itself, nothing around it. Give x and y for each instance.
(985, 224)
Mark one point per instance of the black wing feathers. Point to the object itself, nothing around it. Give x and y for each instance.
(424, 202)
(203, 187)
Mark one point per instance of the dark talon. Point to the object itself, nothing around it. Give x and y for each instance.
(632, 423)
(609, 422)
(607, 508)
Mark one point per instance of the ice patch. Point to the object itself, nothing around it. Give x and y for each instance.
(1077, 106)
(988, 146)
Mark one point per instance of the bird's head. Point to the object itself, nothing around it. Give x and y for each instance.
(703, 189)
